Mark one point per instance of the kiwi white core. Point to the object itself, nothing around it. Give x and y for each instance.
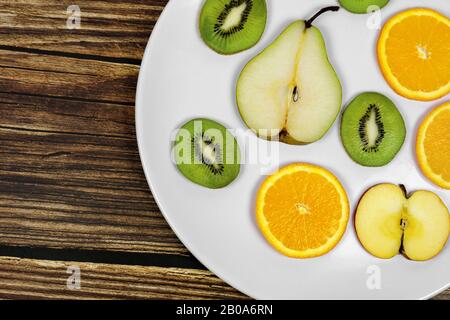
(234, 17)
(208, 152)
(372, 129)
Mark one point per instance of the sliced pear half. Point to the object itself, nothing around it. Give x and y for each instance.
(290, 90)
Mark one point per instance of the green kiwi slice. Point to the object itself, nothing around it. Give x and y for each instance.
(362, 6)
(206, 153)
(231, 26)
(372, 130)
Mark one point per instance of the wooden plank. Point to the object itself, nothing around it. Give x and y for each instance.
(443, 296)
(116, 28)
(71, 177)
(70, 171)
(78, 191)
(28, 73)
(27, 112)
(39, 279)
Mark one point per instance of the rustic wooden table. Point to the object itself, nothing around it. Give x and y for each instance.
(72, 192)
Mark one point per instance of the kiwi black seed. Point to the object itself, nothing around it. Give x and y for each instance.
(373, 111)
(231, 26)
(372, 130)
(207, 154)
(362, 6)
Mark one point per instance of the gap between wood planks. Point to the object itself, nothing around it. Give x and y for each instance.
(136, 62)
(106, 257)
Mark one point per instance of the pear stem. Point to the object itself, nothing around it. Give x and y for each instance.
(308, 24)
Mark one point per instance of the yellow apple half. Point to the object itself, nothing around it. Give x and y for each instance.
(388, 222)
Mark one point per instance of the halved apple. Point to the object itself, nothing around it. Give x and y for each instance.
(388, 222)
(290, 90)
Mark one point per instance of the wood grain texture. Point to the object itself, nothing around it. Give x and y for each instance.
(85, 79)
(40, 279)
(43, 279)
(71, 177)
(443, 296)
(113, 28)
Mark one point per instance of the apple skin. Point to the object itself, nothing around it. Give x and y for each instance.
(284, 136)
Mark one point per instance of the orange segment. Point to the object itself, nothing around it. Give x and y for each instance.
(413, 53)
(302, 210)
(433, 147)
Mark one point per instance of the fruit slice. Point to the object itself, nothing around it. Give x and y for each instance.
(433, 147)
(231, 26)
(290, 90)
(378, 220)
(372, 130)
(388, 222)
(362, 6)
(302, 210)
(207, 154)
(413, 54)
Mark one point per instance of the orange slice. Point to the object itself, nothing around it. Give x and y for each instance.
(413, 53)
(433, 146)
(302, 210)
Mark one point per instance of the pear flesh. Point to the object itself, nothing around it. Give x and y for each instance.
(290, 90)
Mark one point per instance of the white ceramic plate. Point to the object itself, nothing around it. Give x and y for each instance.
(181, 78)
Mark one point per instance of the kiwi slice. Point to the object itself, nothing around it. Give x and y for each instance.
(372, 130)
(362, 6)
(206, 153)
(231, 26)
